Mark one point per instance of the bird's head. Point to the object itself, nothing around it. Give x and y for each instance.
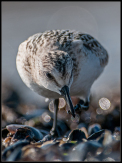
(56, 73)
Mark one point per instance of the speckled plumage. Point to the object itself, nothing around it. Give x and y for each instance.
(68, 55)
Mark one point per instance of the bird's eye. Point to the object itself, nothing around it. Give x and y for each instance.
(49, 75)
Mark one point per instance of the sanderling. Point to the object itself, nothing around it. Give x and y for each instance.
(61, 63)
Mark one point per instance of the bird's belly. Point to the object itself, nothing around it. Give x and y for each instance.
(82, 83)
(79, 89)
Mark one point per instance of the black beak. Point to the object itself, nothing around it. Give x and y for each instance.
(65, 93)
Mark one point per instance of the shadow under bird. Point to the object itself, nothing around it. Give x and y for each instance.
(60, 63)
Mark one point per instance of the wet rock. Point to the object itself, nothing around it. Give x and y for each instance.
(66, 147)
(37, 135)
(83, 141)
(80, 125)
(32, 153)
(15, 155)
(93, 128)
(76, 135)
(4, 133)
(116, 134)
(13, 147)
(80, 151)
(95, 135)
(107, 137)
(52, 150)
(108, 159)
(23, 133)
(92, 159)
(101, 139)
(6, 142)
(110, 150)
(49, 144)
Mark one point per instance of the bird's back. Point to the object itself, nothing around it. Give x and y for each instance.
(68, 41)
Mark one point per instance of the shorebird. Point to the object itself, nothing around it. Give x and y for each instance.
(60, 63)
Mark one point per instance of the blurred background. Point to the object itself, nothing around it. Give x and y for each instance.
(23, 19)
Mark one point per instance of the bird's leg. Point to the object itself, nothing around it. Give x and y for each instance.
(53, 130)
(52, 133)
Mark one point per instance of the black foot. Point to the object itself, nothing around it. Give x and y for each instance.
(51, 136)
(81, 106)
(47, 138)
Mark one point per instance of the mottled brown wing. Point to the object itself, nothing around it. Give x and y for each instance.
(95, 47)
